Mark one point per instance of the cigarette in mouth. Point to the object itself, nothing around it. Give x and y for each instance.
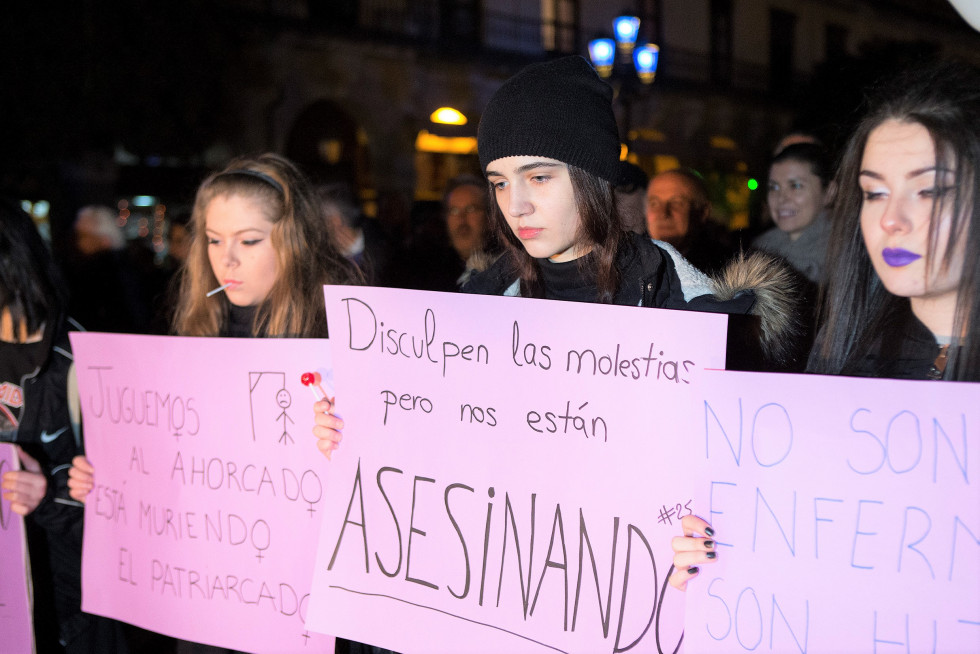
(218, 290)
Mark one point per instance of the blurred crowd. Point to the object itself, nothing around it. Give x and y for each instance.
(121, 284)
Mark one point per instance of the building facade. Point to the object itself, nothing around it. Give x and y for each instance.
(349, 86)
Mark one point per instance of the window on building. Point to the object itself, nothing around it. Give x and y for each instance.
(782, 42)
(459, 24)
(334, 13)
(721, 42)
(560, 25)
(651, 21)
(835, 47)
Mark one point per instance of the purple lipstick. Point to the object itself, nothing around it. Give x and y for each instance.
(897, 257)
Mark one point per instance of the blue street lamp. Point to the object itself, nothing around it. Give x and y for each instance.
(629, 68)
(626, 28)
(603, 52)
(645, 61)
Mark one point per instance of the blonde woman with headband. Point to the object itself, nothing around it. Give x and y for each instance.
(258, 260)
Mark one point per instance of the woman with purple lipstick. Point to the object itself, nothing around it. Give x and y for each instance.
(904, 254)
(904, 258)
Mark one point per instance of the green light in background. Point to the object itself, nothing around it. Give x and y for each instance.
(753, 185)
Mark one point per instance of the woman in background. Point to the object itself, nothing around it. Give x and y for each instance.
(799, 178)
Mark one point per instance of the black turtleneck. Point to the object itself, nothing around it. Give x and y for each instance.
(240, 321)
(574, 281)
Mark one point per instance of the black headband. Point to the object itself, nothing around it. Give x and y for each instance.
(256, 174)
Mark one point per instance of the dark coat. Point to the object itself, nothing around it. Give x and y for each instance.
(758, 293)
(905, 350)
(48, 432)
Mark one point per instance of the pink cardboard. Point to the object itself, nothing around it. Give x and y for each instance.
(209, 486)
(847, 515)
(16, 619)
(488, 499)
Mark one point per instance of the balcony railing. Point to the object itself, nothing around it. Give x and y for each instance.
(481, 28)
(507, 32)
(415, 19)
(697, 68)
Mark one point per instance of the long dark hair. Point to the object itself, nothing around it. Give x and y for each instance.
(943, 97)
(31, 286)
(600, 227)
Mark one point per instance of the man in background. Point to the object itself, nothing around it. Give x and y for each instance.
(679, 212)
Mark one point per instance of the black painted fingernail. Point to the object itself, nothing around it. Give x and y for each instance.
(710, 555)
(708, 544)
(692, 571)
(709, 531)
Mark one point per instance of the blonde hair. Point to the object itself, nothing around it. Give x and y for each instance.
(307, 259)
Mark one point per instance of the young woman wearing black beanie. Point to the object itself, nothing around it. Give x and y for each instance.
(549, 145)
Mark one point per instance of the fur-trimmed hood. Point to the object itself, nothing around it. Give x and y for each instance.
(478, 261)
(778, 305)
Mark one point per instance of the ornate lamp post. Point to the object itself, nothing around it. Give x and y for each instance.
(629, 68)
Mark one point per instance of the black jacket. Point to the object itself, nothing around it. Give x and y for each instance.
(46, 429)
(49, 434)
(905, 350)
(757, 292)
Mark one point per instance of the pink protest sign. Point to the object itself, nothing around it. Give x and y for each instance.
(511, 472)
(847, 515)
(16, 619)
(209, 487)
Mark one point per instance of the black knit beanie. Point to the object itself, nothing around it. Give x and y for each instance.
(558, 109)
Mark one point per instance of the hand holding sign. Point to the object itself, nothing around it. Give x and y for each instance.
(691, 550)
(327, 427)
(81, 478)
(24, 489)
